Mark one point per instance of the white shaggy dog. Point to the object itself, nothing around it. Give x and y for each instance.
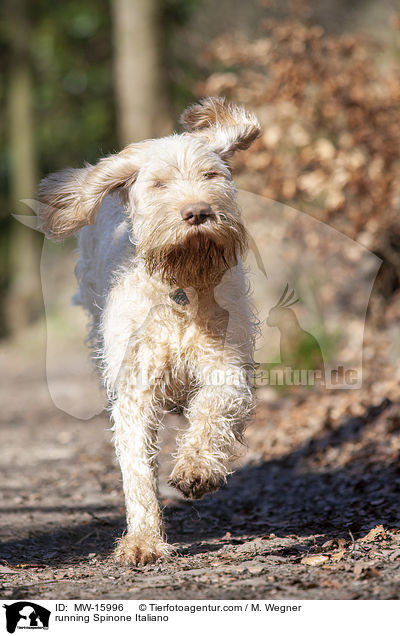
(150, 261)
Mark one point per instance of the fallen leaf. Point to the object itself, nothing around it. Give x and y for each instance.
(331, 583)
(331, 543)
(337, 556)
(335, 543)
(374, 533)
(317, 559)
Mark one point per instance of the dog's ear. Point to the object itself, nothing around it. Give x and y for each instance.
(225, 127)
(70, 199)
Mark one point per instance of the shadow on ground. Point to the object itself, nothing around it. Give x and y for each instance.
(297, 495)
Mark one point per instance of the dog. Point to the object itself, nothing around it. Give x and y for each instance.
(160, 236)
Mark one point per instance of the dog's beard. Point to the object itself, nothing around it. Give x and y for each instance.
(200, 258)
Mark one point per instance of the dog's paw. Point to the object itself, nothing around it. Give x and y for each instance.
(196, 481)
(132, 550)
(195, 488)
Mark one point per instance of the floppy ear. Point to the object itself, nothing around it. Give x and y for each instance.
(70, 199)
(225, 127)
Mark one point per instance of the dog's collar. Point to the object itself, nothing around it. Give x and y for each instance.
(179, 296)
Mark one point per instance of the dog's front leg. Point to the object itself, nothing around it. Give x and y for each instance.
(135, 431)
(217, 416)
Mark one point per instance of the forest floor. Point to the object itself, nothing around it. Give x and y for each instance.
(312, 511)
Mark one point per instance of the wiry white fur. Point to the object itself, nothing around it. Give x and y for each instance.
(154, 352)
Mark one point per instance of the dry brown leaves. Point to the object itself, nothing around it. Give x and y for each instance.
(375, 533)
(329, 111)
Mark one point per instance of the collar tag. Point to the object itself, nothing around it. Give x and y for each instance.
(179, 297)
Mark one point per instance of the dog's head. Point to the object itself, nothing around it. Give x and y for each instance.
(178, 192)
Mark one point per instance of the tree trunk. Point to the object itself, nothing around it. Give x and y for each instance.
(23, 302)
(142, 105)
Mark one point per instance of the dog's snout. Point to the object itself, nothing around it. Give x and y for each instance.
(196, 213)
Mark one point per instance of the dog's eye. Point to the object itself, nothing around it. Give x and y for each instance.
(159, 184)
(213, 174)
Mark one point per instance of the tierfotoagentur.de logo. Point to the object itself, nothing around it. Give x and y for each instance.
(26, 615)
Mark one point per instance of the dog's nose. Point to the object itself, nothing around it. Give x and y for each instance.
(196, 213)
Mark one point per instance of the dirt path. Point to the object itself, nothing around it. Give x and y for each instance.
(309, 488)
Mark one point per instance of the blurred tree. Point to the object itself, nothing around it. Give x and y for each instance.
(56, 84)
(141, 97)
(56, 88)
(23, 300)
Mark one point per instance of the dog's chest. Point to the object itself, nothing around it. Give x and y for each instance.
(183, 330)
(179, 341)
(195, 345)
